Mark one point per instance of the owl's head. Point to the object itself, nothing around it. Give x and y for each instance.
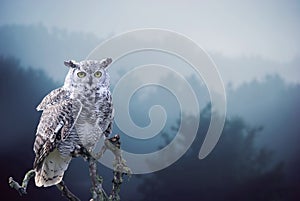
(87, 74)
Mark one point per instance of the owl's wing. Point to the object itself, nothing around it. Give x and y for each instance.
(55, 125)
(54, 97)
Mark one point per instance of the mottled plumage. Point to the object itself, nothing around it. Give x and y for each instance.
(74, 116)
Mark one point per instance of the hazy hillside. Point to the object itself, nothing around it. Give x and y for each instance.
(39, 47)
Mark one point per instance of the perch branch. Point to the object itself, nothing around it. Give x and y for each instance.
(98, 193)
(120, 167)
(117, 181)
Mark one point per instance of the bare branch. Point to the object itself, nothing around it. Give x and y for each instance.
(66, 192)
(21, 189)
(98, 193)
(120, 167)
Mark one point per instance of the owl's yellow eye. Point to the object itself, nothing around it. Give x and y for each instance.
(98, 74)
(81, 74)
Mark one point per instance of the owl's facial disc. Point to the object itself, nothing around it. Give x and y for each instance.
(87, 75)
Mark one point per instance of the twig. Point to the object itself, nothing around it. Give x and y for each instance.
(31, 173)
(117, 181)
(114, 145)
(98, 193)
(21, 189)
(66, 192)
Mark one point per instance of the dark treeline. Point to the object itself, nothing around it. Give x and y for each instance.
(235, 170)
(20, 90)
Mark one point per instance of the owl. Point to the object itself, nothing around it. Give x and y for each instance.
(74, 116)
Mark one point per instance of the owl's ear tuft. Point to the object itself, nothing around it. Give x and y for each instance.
(71, 64)
(105, 62)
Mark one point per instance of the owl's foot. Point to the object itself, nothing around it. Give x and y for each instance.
(81, 151)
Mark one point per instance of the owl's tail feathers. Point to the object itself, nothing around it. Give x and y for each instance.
(52, 170)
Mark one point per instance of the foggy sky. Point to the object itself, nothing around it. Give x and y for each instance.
(267, 30)
(261, 28)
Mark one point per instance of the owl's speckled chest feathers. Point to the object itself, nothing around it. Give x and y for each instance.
(95, 115)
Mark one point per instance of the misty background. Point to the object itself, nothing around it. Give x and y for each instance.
(254, 45)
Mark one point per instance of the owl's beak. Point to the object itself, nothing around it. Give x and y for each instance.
(90, 81)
